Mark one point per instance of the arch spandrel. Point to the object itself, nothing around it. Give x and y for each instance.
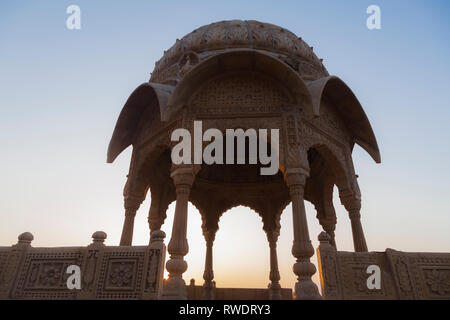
(337, 155)
(349, 108)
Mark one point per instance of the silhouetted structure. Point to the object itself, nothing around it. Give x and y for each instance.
(244, 74)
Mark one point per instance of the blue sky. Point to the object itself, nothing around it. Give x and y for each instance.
(61, 92)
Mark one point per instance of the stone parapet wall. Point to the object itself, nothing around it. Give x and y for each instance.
(106, 272)
(403, 275)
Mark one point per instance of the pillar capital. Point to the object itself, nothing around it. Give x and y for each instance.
(183, 175)
(296, 177)
(132, 203)
(210, 224)
(272, 236)
(351, 202)
(210, 235)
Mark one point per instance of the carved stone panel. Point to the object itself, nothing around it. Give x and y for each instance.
(153, 272)
(421, 276)
(9, 262)
(243, 90)
(121, 275)
(404, 275)
(43, 275)
(105, 272)
(353, 268)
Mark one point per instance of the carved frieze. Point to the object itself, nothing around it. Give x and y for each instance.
(244, 91)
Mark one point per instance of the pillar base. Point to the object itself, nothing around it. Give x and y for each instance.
(174, 289)
(208, 290)
(305, 288)
(274, 291)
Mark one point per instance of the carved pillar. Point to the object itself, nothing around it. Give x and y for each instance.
(353, 207)
(274, 276)
(327, 218)
(208, 274)
(158, 207)
(329, 226)
(154, 220)
(175, 287)
(302, 248)
(131, 205)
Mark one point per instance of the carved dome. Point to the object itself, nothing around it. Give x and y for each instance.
(237, 34)
(235, 46)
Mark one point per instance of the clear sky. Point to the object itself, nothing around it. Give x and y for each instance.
(61, 92)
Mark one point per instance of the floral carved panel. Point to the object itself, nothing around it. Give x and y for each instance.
(121, 275)
(44, 276)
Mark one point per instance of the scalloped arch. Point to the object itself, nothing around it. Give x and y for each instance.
(127, 129)
(349, 108)
(240, 60)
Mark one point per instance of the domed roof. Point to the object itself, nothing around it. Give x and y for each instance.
(237, 34)
(230, 46)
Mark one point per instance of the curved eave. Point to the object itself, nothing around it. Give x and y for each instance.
(349, 108)
(127, 124)
(238, 60)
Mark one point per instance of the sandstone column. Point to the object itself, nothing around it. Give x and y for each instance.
(131, 205)
(154, 221)
(208, 274)
(329, 225)
(175, 287)
(302, 248)
(274, 276)
(353, 206)
(158, 207)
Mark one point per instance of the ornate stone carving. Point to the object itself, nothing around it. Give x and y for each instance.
(404, 275)
(243, 91)
(43, 275)
(330, 122)
(236, 34)
(249, 75)
(438, 281)
(187, 62)
(106, 272)
(121, 275)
